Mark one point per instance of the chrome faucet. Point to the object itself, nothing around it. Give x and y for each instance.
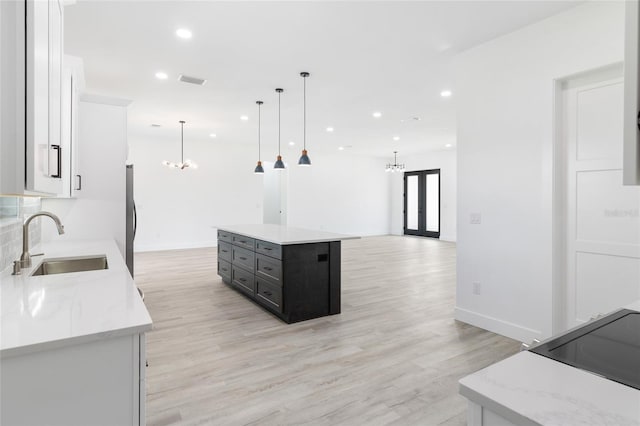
(25, 258)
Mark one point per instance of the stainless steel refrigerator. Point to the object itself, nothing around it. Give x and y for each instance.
(132, 220)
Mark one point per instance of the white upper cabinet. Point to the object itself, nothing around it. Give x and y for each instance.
(43, 90)
(632, 94)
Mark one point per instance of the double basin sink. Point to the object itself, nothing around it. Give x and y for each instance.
(63, 265)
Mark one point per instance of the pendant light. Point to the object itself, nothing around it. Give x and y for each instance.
(183, 164)
(279, 165)
(304, 158)
(259, 169)
(395, 166)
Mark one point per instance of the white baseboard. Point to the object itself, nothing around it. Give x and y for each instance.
(498, 326)
(140, 248)
(450, 238)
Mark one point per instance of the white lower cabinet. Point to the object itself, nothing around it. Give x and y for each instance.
(478, 415)
(95, 383)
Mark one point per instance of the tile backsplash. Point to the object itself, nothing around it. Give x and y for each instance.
(13, 212)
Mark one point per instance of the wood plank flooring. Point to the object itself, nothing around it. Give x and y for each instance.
(392, 357)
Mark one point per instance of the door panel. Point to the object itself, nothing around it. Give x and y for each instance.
(412, 202)
(433, 202)
(602, 216)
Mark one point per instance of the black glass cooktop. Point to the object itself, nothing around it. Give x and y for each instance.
(609, 347)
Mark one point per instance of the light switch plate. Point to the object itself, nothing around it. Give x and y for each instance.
(475, 218)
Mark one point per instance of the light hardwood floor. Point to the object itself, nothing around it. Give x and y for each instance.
(393, 356)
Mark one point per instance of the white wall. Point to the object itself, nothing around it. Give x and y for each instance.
(343, 193)
(504, 96)
(182, 209)
(446, 162)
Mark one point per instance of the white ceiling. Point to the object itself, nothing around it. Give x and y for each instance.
(393, 57)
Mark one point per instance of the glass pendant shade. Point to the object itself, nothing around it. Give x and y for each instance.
(279, 165)
(304, 159)
(259, 169)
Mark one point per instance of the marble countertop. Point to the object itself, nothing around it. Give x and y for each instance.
(284, 235)
(46, 312)
(530, 389)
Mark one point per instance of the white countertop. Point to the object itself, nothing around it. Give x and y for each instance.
(46, 312)
(284, 235)
(530, 389)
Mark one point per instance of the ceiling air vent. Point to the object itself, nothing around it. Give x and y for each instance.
(192, 80)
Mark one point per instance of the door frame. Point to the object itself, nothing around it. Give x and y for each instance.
(422, 203)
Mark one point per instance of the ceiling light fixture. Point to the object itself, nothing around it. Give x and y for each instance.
(184, 33)
(329, 129)
(448, 145)
(212, 135)
(161, 75)
(259, 169)
(279, 164)
(445, 93)
(304, 158)
(395, 166)
(396, 138)
(377, 114)
(244, 118)
(183, 164)
(291, 143)
(341, 148)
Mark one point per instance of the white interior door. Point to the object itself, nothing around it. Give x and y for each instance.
(602, 215)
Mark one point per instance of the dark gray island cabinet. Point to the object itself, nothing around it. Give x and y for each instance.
(293, 273)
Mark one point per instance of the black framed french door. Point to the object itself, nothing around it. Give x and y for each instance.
(422, 203)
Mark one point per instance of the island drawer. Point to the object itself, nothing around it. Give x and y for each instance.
(242, 257)
(224, 269)
(267, 267)
(270, 249)
(225, 236)
(269, 294)
(224, 251)
(243, 280)
(246, 242)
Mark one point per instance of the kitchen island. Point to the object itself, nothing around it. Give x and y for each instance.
(72, 345)
(293, 273)
(530, 389)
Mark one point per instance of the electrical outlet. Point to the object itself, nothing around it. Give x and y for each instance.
(477, 288)
(475, 218)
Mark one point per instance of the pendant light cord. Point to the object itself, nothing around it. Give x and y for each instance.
(279, 93)
(182, 141)
(304, 112)
(259, 155)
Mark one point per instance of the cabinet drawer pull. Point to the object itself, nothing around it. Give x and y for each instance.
(224, 269)
(243, 258)
(224, 251)
(268, 293)
(244, 280)
(266, 268)
(267, 248)
(243, 241)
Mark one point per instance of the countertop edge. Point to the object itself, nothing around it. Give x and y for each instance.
(72, 341)
(337, 237)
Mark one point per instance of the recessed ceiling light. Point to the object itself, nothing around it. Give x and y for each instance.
(329, 129)
(291, 143)
(445, 93)
(448, 145)
(244, 118)
(161, 75)
(184, 33)
(341, 148)
(377, 114)
(396, 138)
(212, 135)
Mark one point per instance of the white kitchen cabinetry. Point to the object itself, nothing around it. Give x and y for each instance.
(95, 383)
(72, 85)
(43, 90)
(632, 94)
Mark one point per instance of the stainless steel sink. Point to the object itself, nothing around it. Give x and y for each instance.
(63, 265)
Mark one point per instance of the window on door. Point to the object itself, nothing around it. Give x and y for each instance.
(422, 203)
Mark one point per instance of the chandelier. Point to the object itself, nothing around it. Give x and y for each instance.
(395, 166)
(183, 164)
